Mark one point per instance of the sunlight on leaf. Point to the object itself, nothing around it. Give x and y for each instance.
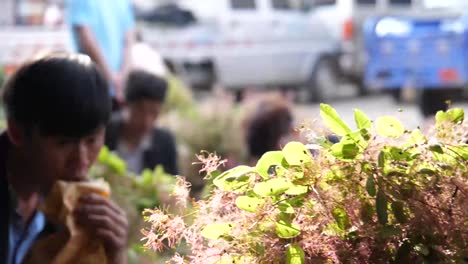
(389, 126)
(215, 231)
(295, 254)
(333, 120)
(296, 154)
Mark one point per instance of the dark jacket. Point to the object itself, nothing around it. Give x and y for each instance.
(4, 201)
(161, 152)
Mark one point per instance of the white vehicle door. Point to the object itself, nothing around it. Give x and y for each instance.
(241, 58)
(297, 41)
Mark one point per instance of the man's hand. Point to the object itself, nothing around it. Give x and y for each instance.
(107, 221)
(118, 86)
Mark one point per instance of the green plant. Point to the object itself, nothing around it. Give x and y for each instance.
(382, 194)
(133, 193)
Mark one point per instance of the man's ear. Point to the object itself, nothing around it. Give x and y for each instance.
(15, 132)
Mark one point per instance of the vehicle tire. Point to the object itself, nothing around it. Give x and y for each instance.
(324, 82)
(397, 95)
(433, 100)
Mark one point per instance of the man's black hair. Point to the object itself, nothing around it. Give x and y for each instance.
(60, 94)
(142, 85)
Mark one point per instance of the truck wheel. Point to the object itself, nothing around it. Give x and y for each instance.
(433, 100)
(324, 83)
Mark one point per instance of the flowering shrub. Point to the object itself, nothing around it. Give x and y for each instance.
(382, 194)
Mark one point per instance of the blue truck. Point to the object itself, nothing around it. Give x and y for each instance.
(427, 54)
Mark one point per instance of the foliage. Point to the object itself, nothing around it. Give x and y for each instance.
(207, 129)
(133, 193)
(382, 194)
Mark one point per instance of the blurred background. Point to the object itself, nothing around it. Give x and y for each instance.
(407, 58)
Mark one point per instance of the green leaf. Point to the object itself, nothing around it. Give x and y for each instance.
(370, 186)
(389, 126)
(381, 207)
(216, 231)
(296, 154)
(287, 229)
(233, 179)
(333, 120)
(436, 148)
(295, 254)
(297, 190)
(454, 115)
(362, 121)
(417, 137)
(341, 218)
(248, 204)
(366, 212)
(286, 208)
(265, 163)
(381, 159)
(345, 151)
(272, 187)
(399, 212)
(461, 150)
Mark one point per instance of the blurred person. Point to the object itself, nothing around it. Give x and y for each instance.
(56, 108)
(104, 30)
(269, 129)
(133, 135)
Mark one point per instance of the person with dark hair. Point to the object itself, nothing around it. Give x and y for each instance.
(133, 135)
(57, 107)
(268, 129)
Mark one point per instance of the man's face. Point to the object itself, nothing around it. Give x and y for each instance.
(143, 114)
(61, 158)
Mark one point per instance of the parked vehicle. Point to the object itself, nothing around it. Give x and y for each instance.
(249, 43)
(426, 54)
(345, 19)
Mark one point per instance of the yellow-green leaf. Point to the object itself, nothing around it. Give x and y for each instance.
(333, 120)
(297, 190)
(362, 121)
(269, 159)
(272, 187)
(381, 207)
(234, 178)
(296, 153)
(248, 204)
(389, 126)
(295, 254)
(216, 231)
(287, 230)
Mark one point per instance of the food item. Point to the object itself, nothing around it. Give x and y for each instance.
(75, 244)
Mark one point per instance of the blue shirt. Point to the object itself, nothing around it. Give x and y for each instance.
(22, 237)
(109, 20)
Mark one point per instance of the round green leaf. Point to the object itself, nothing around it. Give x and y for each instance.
(297, 190)
(233, 179)
(272, 187)
(215, 231)
(389, 126)
(269, 159)
(287, 230)
(345, 151)
(295, 254)
(296, 154)
(248, 204)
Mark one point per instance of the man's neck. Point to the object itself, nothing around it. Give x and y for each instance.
(130, 136)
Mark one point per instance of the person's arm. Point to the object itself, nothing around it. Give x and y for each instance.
(89, 46)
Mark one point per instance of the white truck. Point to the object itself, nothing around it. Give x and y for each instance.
(249, 44)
